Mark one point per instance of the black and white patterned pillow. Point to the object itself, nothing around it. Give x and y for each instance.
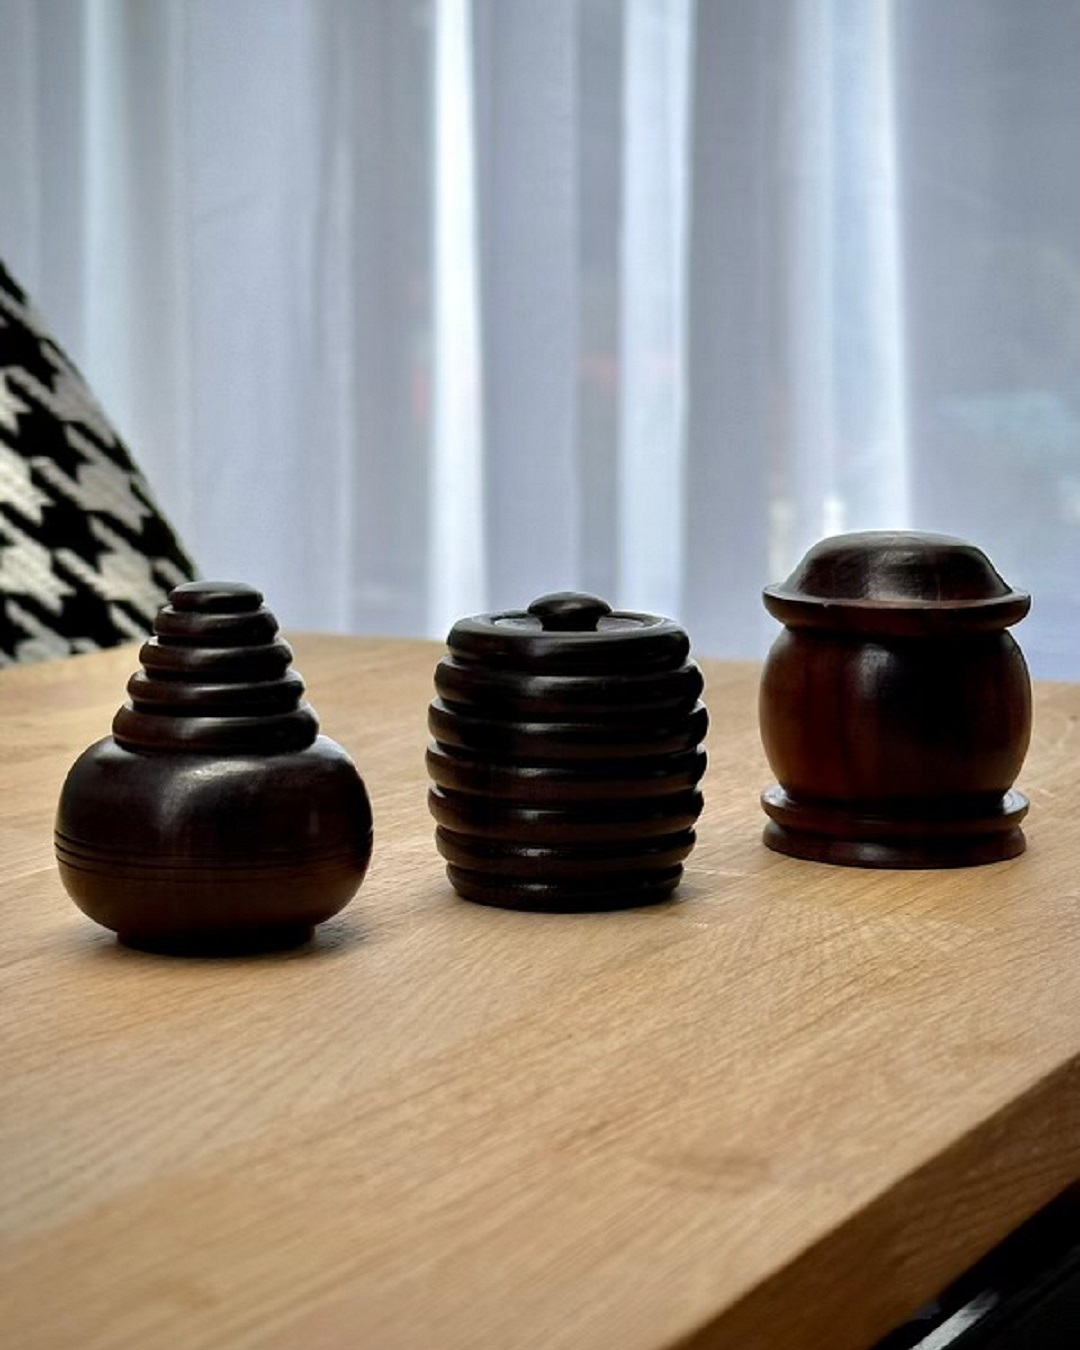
(86, 558)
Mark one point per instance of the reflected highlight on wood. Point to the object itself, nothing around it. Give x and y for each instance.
(215, 817)
(895, 709)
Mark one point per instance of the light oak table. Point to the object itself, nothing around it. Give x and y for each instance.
(778, 1112)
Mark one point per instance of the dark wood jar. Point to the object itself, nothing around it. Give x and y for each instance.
(215, 817)
(567, 756)
(895, 708)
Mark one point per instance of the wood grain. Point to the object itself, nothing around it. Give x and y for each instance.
(777, 1112)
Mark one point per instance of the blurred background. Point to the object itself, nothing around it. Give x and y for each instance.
(415, 308)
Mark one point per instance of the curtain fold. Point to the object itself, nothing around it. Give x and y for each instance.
(652, 284)
(414, 309)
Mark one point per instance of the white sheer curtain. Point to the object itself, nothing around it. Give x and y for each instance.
(409, 308)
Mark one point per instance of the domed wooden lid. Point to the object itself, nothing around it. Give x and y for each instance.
(898, 582)
(569, 631)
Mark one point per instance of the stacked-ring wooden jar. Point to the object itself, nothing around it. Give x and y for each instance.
(567, 756)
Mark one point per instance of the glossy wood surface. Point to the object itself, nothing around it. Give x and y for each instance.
(773, 1114)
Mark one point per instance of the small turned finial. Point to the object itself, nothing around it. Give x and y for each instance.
(215, 818)
(569, 612)
(216, 597)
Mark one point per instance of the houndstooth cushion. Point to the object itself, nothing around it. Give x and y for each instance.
(85, 557)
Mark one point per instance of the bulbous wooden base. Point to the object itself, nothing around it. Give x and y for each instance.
(188, 853)
(924, 834)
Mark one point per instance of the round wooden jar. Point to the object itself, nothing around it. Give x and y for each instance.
(215, 817)
(895, 707)
(567, 756)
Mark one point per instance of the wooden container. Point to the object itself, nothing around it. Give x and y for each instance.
(567, 756)
(895, 707)
(215, 817)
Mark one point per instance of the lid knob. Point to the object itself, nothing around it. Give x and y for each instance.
(215, 597)
(569, 612)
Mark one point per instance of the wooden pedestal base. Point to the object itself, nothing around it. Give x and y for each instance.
(829, 832)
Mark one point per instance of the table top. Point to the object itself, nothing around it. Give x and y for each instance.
(777, 1112)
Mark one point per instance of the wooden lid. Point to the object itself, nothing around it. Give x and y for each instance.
(898, 582)
(570, 631)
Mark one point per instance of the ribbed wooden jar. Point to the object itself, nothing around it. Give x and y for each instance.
(567, 756)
